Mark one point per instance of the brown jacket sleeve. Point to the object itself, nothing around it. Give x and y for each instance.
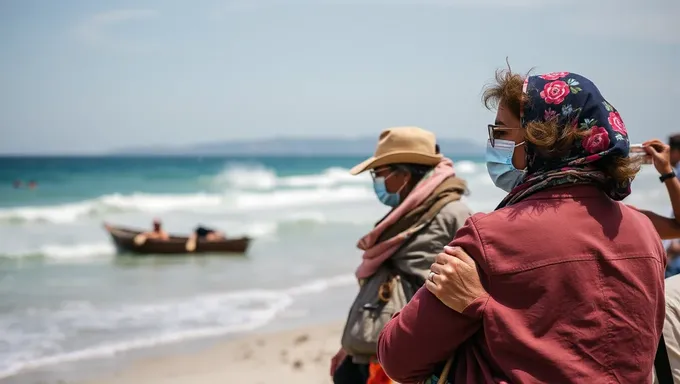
(426, 332)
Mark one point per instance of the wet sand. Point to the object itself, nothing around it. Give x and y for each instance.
(293, 356)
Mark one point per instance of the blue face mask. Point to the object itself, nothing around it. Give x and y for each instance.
(387, 198)
(499, 164)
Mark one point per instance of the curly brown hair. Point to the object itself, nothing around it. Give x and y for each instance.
(549, 138)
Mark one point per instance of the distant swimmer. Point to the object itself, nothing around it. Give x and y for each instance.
(32, 184)
(157, 233)
(204, 234)
(17, 184)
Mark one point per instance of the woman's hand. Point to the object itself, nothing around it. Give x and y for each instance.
(661, 155)
(454, 279)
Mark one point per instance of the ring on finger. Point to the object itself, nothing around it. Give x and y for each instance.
(431, 276)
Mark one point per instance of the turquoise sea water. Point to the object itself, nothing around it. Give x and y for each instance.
(65, 296)
(68, 179)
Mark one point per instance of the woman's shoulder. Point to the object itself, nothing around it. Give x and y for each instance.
(455, 211)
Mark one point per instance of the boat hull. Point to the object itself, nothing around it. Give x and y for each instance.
(123, 240)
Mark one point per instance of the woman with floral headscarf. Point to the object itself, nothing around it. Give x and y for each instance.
(562, 283)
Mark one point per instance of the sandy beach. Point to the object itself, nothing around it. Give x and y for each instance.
(292, 356)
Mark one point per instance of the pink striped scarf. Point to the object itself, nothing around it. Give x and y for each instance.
(376, 254)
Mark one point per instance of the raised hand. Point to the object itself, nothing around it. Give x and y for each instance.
(661, 155)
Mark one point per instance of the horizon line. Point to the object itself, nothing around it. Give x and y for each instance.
(186, 149)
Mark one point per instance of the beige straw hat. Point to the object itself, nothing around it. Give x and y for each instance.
(399, 145)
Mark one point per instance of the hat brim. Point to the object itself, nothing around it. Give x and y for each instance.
(396, 158)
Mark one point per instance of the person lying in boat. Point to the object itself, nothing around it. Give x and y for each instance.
(204, 234)
(207, 234)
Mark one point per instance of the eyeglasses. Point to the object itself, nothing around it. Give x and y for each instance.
(493, 128)
(374, 172)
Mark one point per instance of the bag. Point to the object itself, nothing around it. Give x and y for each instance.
(379, 298)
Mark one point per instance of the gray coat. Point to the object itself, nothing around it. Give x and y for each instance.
(417, 255)
(413, 259)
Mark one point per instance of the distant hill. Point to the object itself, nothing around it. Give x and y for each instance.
(287, 146)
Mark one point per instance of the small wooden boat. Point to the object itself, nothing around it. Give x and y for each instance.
(126, 240)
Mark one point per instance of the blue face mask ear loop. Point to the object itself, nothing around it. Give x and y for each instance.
(526, 156)
(402, 186)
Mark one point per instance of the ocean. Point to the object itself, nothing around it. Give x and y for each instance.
(66, 298)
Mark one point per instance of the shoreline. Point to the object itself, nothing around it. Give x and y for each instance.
(315, 313)
(297, 355)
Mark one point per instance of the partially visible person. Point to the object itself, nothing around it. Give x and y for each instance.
(420, 186)
(16, 184)
(204, 234)
(672, 244)
(157, 232)
(667, 162)
(562, 283)
(207, 234)
(671, 326)
(667, 227)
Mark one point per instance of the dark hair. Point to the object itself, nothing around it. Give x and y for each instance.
(417, 171)
(549, 139)
(674, 141)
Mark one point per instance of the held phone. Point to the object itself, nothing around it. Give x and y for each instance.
(639, 151)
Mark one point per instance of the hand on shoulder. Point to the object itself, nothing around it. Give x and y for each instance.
(454, 279)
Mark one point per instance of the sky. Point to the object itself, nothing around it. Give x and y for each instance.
(89, 76)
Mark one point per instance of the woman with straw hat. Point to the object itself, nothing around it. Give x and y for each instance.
(420, 185)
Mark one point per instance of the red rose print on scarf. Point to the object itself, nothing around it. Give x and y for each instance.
(555, 92)
(578, 105)
(597, 141)
(553, 76)
(617, 123)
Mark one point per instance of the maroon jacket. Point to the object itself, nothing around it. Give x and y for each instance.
(576, 285)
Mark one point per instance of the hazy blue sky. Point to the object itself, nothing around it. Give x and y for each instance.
(91, 75)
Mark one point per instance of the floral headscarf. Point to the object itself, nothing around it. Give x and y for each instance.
(575, 103)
